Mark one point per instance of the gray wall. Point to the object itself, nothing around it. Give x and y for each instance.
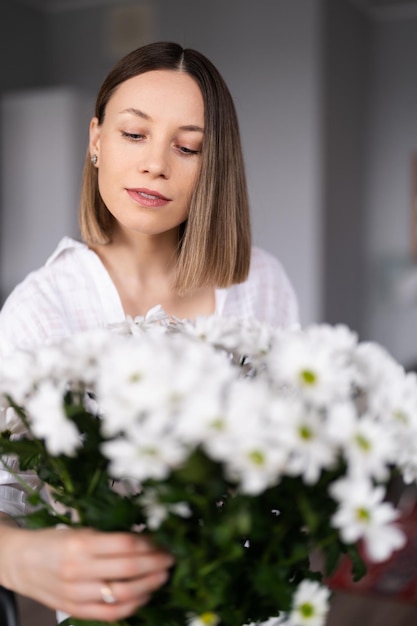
(391, 303)
(22, 46)
(347, 50)
(370, 139)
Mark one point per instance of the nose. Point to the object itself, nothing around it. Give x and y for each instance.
(155, 160)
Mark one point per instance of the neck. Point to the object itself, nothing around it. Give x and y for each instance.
(142, 257)
(143, 268)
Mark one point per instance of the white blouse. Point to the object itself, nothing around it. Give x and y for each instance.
(73, 292)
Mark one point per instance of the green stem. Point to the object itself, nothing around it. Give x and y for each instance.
(94, 481)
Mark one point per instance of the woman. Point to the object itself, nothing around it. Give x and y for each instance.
(164, 221)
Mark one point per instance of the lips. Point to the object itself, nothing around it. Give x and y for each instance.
(148, 197)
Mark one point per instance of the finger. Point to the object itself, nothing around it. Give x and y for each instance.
(100, 611)
(111, 543)
(123, 592)
(86, 544)
(127, 597)
(85, 600)
(74, 568)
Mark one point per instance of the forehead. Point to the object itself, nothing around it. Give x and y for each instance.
(160, 94)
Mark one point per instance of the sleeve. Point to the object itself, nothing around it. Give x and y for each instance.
(13, 496)
(27, 319)
(13, 499)
(30, 316)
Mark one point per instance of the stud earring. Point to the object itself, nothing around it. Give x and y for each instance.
(94, 159)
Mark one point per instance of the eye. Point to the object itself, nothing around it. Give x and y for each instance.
(187, 151)
(132, 136)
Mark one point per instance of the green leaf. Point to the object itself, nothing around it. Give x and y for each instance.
(358, 565)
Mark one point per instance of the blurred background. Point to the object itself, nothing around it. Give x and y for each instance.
(326, 93)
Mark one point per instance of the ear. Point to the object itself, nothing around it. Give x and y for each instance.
(94, 143)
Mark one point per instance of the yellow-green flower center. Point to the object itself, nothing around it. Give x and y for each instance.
(363, 443)
(209, 618)
(307, 609)
(150, 451)
(401, 416)
(257, 457)
(308, 377)
(218, 424)
(363, 514)
(305, 432)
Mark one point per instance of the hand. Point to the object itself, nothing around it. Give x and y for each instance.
(74, 570)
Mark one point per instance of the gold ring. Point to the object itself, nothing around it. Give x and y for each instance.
(107, 594)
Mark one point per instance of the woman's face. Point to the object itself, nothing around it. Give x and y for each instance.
(149, 150)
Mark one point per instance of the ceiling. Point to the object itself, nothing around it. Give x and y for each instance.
(384, 9)
(65, 5)
(388, 9)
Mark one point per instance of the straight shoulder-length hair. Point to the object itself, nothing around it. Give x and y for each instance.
(215, 241)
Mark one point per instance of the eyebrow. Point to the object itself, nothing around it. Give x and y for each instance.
(145, 116)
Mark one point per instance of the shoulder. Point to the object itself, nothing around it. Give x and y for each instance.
(267, 293)
(50, 279)
(67, 248)
(264, 262)
(273, 285)
(40, 307)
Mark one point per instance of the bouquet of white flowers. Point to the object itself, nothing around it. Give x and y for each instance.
(242, 448)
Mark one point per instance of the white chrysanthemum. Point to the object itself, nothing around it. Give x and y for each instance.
(49, 422)
(155, 321)
(18, 376)
(158, 374)
(255, 462)
(244, 336)
(143, 454)
(256, 465)
(313, 368)
(82, 354)
(305, 437)
(340, 338)
(362, 514)
(399, 408)
(203, 416)
(245, 438)
(127, 384)
(310, 604)
(156, 512)
(367, 446)
(12, 421)
(399, 419)
(51, 363)
(378, 374)
(370, 450)
(341, 421)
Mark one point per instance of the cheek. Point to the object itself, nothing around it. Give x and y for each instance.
(110, 170)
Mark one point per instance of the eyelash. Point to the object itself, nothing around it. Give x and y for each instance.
(132, 136)
(187, 151)
(135, 137)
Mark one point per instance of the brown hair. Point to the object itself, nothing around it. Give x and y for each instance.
(215, 240)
